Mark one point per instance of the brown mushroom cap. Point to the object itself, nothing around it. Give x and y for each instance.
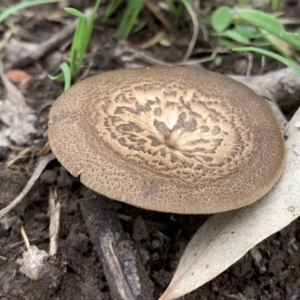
(170, 139)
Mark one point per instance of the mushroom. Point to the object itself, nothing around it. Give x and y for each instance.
(171, 139)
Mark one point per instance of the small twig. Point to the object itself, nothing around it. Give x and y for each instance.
(45, 150)
(54, 209)
(45, 47)
(154, 40)
(195, 22)
(20, 155)
(11, 246)
(149, 59)
(25, 238)
(123, 270)
(43, 162)
(250, 64)
(262, 65)
(136, 54)
(213, 55)
(155, 9)
(204, 32)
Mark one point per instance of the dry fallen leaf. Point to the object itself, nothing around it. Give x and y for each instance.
(15, 114)
(226, 237)
(17, 75)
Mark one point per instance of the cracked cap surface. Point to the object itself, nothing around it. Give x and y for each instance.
(172, 139)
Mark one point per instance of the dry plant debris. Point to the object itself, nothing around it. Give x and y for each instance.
(15, 114)
(42, 163)
(32, 263)
(127, 277)
(54, 211)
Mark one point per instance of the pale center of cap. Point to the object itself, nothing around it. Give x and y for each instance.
(171, 130)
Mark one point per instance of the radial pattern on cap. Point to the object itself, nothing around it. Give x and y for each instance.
(168, 139)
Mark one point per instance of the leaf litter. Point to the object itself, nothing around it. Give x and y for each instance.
(17, 117)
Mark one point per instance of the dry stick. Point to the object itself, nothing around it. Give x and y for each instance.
(154, 40)
(25, 238)
(192, 42)
(20, 155)
(126, 277)
(149, 59)
(54, 210)
(45, 47)
(43, 162)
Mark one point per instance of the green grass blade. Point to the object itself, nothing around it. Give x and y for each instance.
(130, 16)
(277, 44)
(276, 4)
(271, 25)
(59, 77)
(176, 10)
(261, 20)
(172, 7)
(86, 35)
(77, 43)
(111, 8)
(288, 62)
(74, 12)
(81, 38)
(234, 35)
(21, 5)
(65, 76)
(249, 32)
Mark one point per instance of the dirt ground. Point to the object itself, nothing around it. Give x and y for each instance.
(269, 271)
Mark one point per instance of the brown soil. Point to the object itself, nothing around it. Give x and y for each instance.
(270, 271)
